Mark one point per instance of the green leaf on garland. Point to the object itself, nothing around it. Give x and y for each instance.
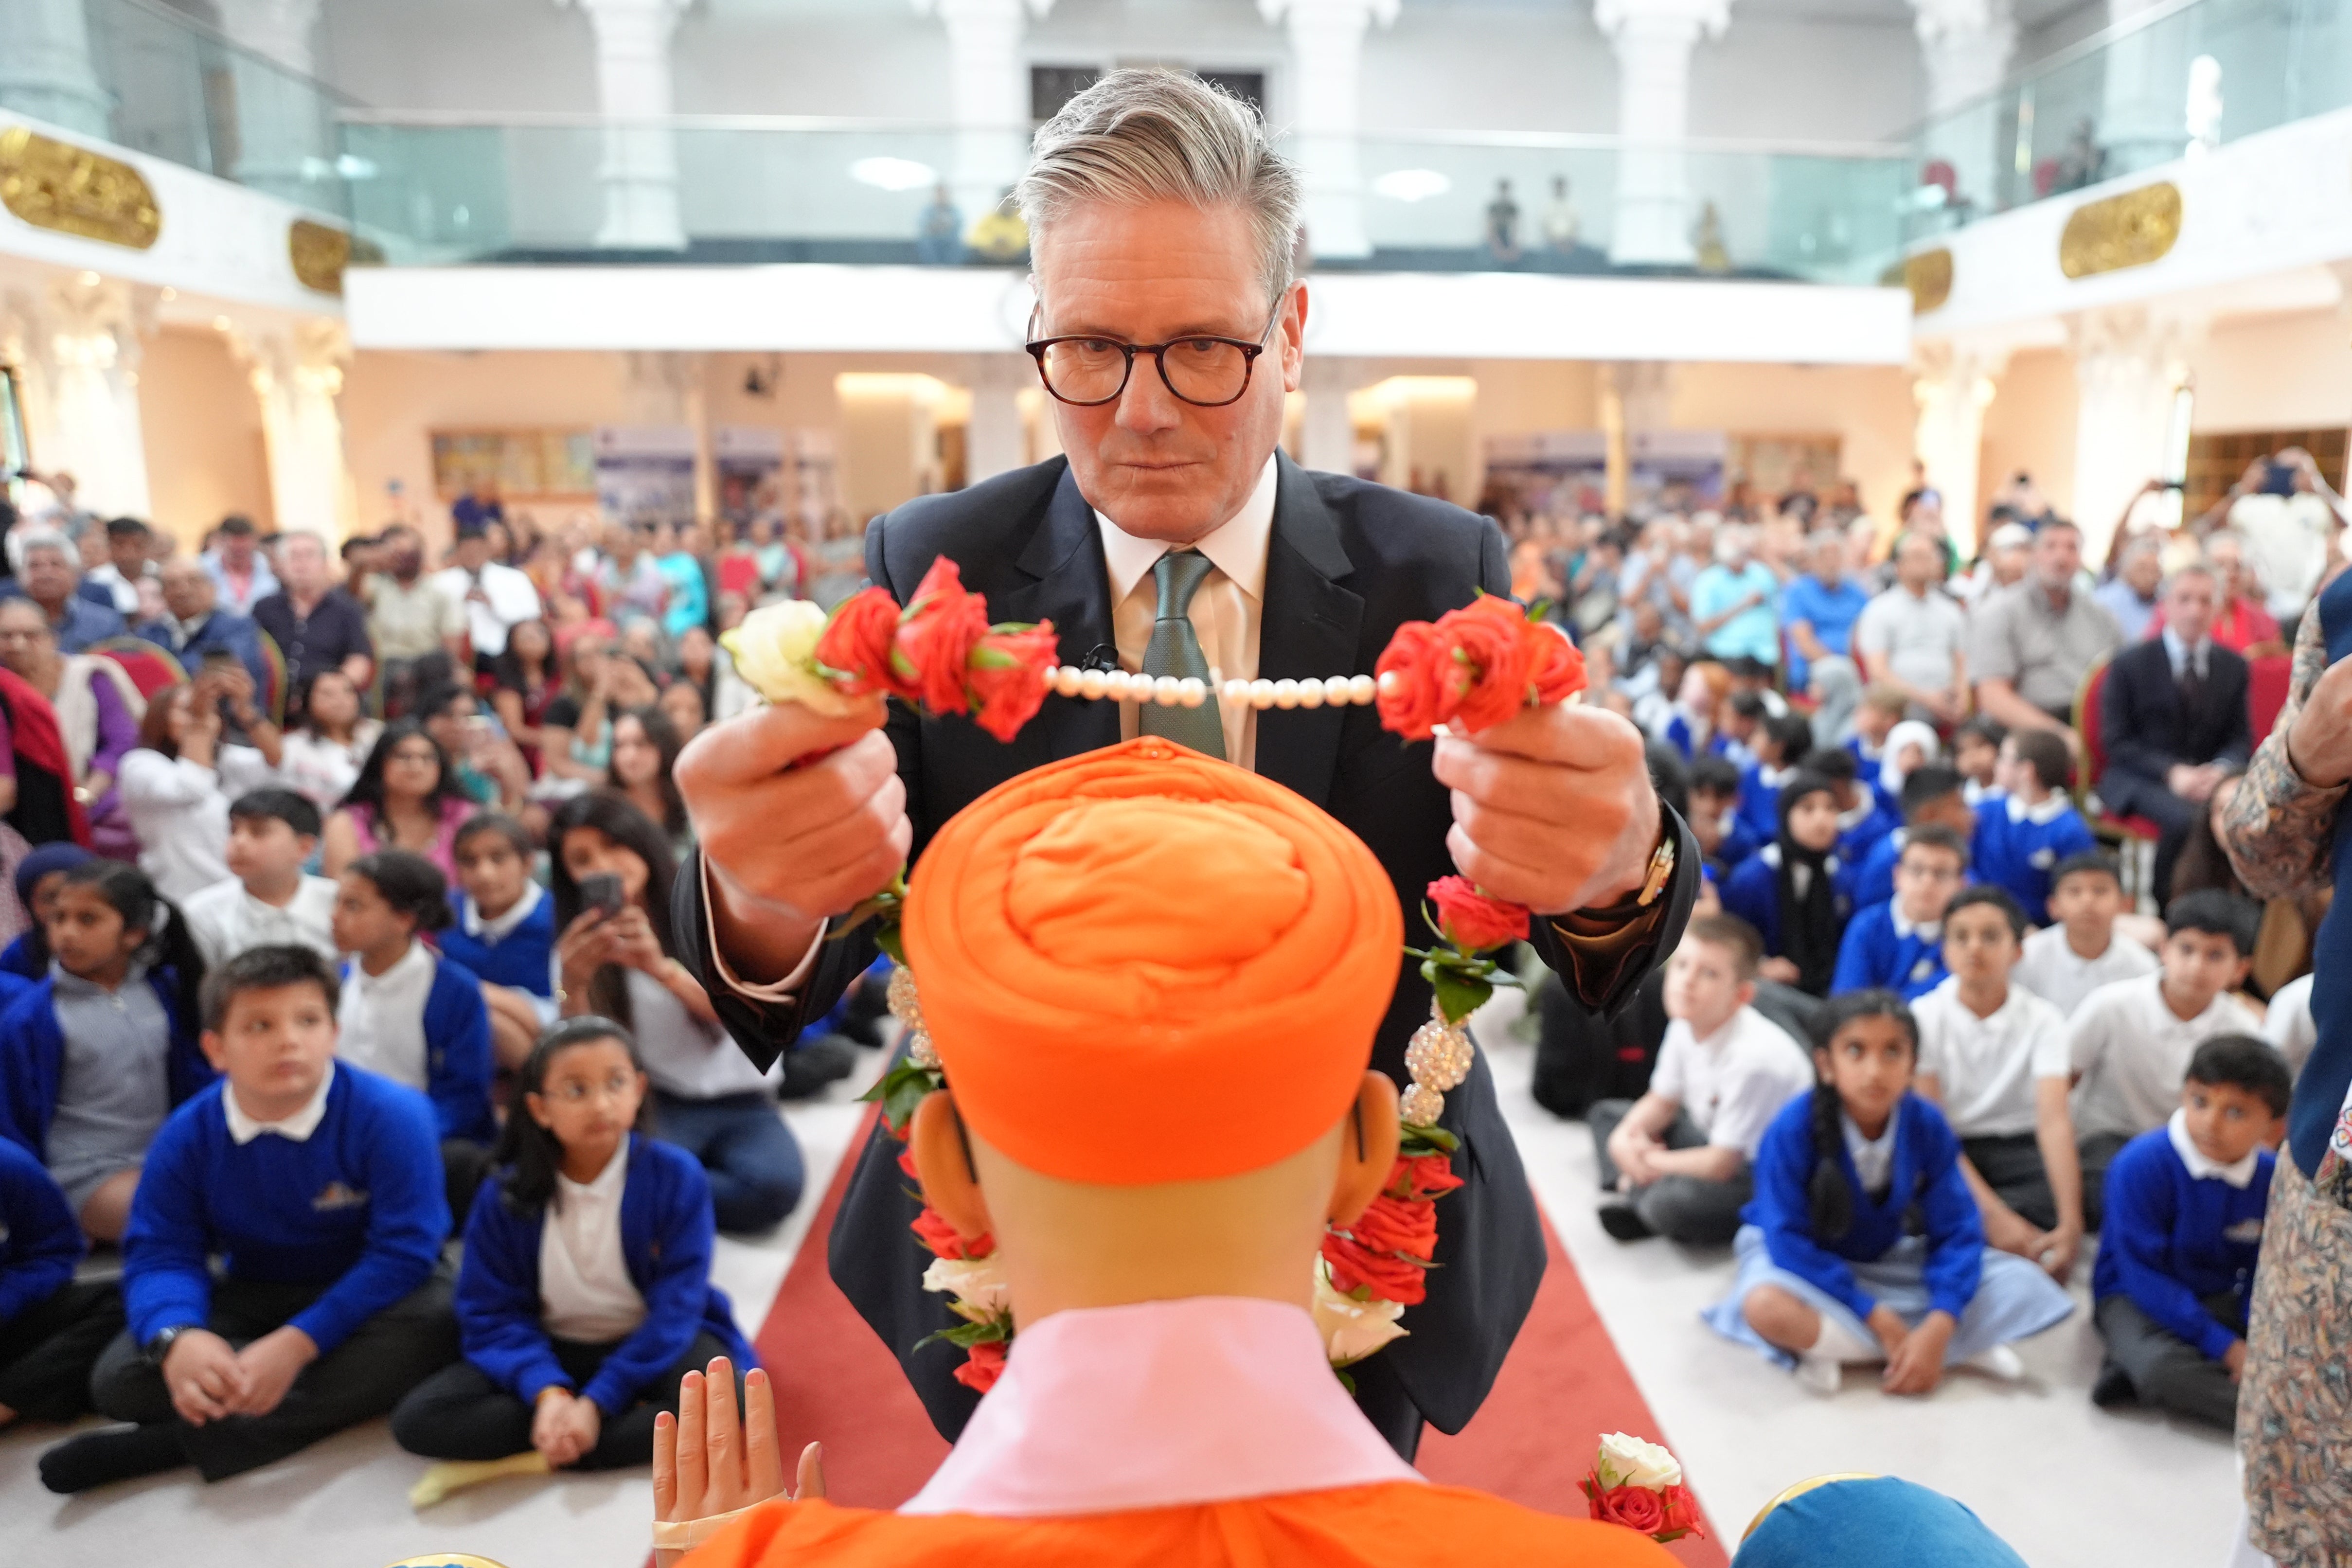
(964, 1336)
(1417, 1142)
(1458, 996)
(899, 1090)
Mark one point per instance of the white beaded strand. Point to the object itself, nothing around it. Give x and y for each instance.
(1192, 691)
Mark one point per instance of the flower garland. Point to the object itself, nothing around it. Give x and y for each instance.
(1466, 671)
(1639, 1485)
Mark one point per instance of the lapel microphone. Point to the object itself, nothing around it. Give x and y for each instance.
(1102, 657)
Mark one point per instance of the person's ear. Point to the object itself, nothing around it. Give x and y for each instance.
(1368, 1148)
(1293, 336)
(1747, 991)
(215, 1049)
(536, 1103)
(935, 1137)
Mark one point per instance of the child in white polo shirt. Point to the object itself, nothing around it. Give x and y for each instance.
(1677, 1162)
(2130, 1041)
(1993, 1055)
(2081, 950)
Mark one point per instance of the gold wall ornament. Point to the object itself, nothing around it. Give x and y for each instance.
(320, 254)
(1928, 276)
(2129, 230)
(58, 185)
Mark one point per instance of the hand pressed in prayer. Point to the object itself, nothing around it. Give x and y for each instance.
(706, 1462)
(1552, 809)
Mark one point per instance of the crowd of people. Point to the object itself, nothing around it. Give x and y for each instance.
(1884, 761)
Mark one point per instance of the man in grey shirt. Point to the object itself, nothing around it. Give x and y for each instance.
(2034, 643)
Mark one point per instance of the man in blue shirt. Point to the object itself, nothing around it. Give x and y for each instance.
(1820, 608)
(51, 578)
(1734, 602)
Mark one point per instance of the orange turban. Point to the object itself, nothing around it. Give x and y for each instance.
(1142, 966)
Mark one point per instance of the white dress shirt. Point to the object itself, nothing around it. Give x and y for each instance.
(507, 599)
(1991, 1069)
(2133, 1052)
(1227, 608)
(1736, 1080)
(586, 1294)
(296, 1128)
(2289, 1025)
(225, 920)
(2054, 972)
(381, 1019)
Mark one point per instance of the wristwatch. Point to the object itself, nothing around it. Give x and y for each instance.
(160, 1345)
(1662, 863)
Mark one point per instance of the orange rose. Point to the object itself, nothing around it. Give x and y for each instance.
(1475, 921)
(1007, 678)
(857, 642)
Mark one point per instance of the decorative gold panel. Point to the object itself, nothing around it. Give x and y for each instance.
(1928, 276)
(320, 254)
(2129, 230)
(58, 185)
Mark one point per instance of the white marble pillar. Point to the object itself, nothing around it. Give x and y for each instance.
(297, 373)
(1965, 46)
(1326, 52)
(988, 95)
(1953, 384)
(1653, 39)
(45, 69)
(1635, 396)
(639, 166)
(2144, 116)
(285, 143)
(1327, 436)
(2130, 364)
(995, 441)
(76, 346)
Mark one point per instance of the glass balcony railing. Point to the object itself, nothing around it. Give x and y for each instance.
(2177, 80)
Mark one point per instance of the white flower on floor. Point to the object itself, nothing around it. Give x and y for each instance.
(1352, 1330)
(977, 1282)
(775, 651)
(1627, 1461)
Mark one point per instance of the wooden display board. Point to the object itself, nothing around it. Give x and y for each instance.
(526, 465)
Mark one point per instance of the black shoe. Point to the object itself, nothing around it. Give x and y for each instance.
(2112, 1387)
(1620, 1220)
(867, 1012)
(809, 1067)
(117, 1454)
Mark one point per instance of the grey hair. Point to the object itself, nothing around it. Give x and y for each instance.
(1139, 136)
(55, 539)
(2193, 569)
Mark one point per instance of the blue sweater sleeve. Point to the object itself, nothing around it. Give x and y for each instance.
(44, 1243)
(457, 1061)
(408, 1215)
(1854, 971)
(499, 1322)
(1784, 1173)
(2143, 1205)
(676, 1291)
(165, 1280)
(1956, 1240)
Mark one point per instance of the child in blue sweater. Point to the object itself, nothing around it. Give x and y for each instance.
(411, 1015)
(586, 1294)
(2031, 825)
(40, 875)
(52, 1326)
(1930, 795)
(1828, 1274)
(504, 932)
(1789, 889)
(317, 1185)
(1716, 818)
(1899, 944)
(1780, 742)
(95, 1055)
(2184, 1226)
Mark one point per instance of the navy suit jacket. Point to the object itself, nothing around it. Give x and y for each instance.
(2147, 728)
(1348, 563)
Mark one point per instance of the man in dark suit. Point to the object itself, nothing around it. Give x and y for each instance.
(2172, 718)
(1173, 538)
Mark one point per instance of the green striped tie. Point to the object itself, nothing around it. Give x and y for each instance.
(1175, 650)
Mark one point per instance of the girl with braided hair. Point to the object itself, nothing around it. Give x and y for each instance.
(1863, 1242)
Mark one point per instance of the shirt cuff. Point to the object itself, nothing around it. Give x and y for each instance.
(777, 993)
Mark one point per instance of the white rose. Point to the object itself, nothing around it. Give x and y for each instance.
(1627, 1461)
(775, 651)
(975, 1281)
(1352, 1330)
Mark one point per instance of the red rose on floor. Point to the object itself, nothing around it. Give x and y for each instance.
(1391, 1224)
(1635, 1508)
(983, 1365)
(942, 625)
(1555, 668)
(1487, 641)
(1390, 1278)
(1007, 678)
(1473, 920)
(857, 642)
(1424, 1177)
(942, 1239)
(1427, 681)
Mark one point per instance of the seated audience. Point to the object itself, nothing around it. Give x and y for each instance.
(1742, 714)
(1831, 1272)
(2130, 1041)
(324, 751)
(178, 781)
(98, 709)
(2183, 1234)
(316, 1186)
(1882, 708)
(125, 566)
(1734, 603)
(1776, 746)
(612, 873)
(2020, 837)
(493, 597)
(2131, 595)
(50, 579)
(406, 797)
(94, 1055)
(1699, 699)
(198, 631)
(2172, 718)
(1788, 889)
(2081, 950)
(317, 625)
(1818, 609)
(2240, 620)
(38, 876)
(1898, 945)
(1913, 637)
(1993, 1056)
(585, 1296)
(688, 709)
(1975, 752)
(417, 625)
(52, 1326)
(268, 899)
(489, 768)
(409, 1015)
(1715, 819)
(1679, 1159)
(504, 932)
(1931, 797)
(526, 679)
(2030, 646)
(1862, 824)
(645, 755)
(235, 565)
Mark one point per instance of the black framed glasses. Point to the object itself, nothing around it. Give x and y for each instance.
(1204, 370)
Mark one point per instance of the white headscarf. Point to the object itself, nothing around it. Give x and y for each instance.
(1910, 733)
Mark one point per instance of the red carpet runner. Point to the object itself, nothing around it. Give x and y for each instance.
(1563, 1385)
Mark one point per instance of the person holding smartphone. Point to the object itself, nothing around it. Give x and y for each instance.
(2289, 517)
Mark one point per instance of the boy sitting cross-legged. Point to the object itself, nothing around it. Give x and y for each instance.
(319, 1183)
(1899, 944)
(1931, 795)
(2081, 950)
(2022, 835)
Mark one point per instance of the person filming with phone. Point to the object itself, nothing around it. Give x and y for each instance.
(2289, 517)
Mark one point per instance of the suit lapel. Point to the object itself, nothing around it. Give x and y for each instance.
(1308, 627)
(1069, 585)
